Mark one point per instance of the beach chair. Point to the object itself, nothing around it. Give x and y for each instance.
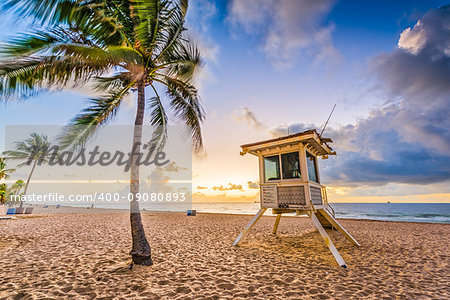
(192, 212)
(11, 211)
(20, 210)
(29, 210)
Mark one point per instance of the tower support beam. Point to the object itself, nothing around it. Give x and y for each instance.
(277, 222)
(338, 226)
(327, 240)
(249, 226)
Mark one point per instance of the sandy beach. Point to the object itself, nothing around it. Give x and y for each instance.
(85, 256)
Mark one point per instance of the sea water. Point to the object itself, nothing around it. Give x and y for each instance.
(403, 212)
(406, 212)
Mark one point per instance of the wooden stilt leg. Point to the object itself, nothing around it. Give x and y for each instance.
(277, 222)
(338, 226)
(328, 241)
(249, 226)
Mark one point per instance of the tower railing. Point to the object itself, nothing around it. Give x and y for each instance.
(328, 207)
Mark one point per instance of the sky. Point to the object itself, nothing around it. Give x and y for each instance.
(278, 64)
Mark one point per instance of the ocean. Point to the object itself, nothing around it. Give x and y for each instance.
(402, 212)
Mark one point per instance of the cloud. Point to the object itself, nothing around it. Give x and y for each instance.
(198, 23)
(247, 116)
(408, 139)
(413, 40)
(199, 187)
(287, 28)
(418, 73)
(173, 167)
(158, 182)
(253, 185)
(373, 152)
(230, 187)
(283, 130)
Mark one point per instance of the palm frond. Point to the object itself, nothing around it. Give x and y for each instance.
(182, 62)
(121, 12)
(44, 11)
(112, 55)
(108, 22)
(150, 21)
(4, 172)
(136, 40)
(158, 119)
(17, 80)
(171, 37)
(187, 108)
(23, 78)
(112, 82)
(82, 127)
(29, 44)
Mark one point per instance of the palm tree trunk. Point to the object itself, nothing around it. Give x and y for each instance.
(140, 251)
(28, 182)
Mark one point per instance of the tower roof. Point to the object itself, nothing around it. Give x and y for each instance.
(310, 138)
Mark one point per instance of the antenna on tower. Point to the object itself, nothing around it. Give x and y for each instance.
(326, 123)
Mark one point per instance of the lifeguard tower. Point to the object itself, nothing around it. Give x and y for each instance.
(290, 182)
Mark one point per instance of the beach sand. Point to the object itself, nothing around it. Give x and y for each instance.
(85, 256)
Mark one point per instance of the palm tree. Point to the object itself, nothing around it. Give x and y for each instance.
(4, 172)
(13, 190)
(2, 193)
(121, 45)
(31, 151)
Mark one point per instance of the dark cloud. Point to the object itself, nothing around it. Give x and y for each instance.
(379, 155)
(374, 152)
(407, 141)
(420, 67)
(418, 73)
(289, 129)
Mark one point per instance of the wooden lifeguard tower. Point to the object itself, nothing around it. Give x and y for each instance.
(290, 182)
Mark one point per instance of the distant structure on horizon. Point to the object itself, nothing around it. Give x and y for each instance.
(290, 182)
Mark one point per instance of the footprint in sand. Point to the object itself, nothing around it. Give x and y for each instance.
(163, 282)
(226, 286)
(183, 290)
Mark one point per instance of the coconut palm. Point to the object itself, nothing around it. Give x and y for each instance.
(4, 172)
(35, 149)
(121, 45)
(13, 190)
(2, 193)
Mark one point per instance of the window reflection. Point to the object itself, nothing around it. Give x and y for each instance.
(272, 168)
(311, 163)
(290, 165)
